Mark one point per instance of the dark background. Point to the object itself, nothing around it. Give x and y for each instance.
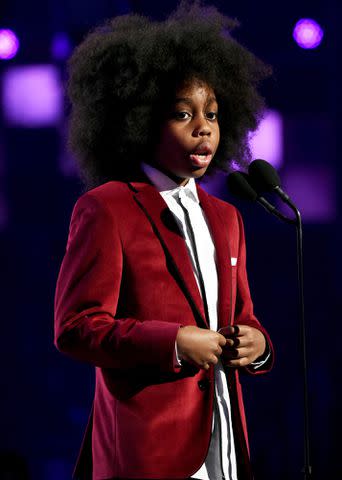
(46, 397)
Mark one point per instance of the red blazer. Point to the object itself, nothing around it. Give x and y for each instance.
(125, 286)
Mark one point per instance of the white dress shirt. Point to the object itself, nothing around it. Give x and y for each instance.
(221, 459)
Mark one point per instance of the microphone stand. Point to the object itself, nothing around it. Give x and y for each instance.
(241, 184)
(272, 209)
(307, 470)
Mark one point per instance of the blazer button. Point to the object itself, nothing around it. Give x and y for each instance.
(204, 384)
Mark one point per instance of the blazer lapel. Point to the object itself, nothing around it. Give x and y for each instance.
(166, 228)
(219, 233)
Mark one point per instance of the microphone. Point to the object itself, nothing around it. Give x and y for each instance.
(239, 184)
(265, 178)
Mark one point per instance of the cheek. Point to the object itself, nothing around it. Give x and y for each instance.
(217, 137)
(175, 139)
(218, 134)
(170, 146)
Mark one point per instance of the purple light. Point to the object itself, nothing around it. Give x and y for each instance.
(61, 46)
(9, 44)
(32, 96)
(267, 141)
(307, 33)
(313, 191)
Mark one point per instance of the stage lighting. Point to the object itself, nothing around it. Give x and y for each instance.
(32, 96)
(9, 44)
(308, 33)
(267, 141)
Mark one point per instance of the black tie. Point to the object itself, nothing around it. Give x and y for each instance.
(193, 241)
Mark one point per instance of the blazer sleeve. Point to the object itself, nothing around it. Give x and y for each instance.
(86, 299)
(244, 313)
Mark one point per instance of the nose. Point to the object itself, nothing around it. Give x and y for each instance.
(201, 128)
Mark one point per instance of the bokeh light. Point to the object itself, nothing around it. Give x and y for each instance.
(308, 33)
(32, 96)
(9, 44)
(267, 141)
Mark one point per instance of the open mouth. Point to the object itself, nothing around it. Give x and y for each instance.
(201, 155)
(201, 159)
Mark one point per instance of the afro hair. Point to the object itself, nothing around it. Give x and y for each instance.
(125, 71)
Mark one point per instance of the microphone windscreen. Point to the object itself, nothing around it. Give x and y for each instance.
(239, 186)
(264, 177)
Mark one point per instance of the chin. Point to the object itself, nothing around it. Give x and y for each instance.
(197, 172)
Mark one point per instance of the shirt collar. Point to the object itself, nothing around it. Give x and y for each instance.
(166, 186)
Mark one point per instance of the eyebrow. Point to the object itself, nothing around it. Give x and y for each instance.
(189, 101)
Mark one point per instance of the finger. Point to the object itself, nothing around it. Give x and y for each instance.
(239, 362)
(230, 331)
(236, 330)
(227, 331)
(221, 340)
(206, 366)
(238, 342)
(242, 330)
(213, 359)
(218, 351)
(230, 343)
(237, 353)
(233, 342)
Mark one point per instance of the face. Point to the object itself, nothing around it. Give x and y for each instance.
(190, 134)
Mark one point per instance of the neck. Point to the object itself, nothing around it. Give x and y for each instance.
(179, 180)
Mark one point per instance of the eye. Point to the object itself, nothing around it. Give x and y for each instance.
(211, 115)
(182, 115)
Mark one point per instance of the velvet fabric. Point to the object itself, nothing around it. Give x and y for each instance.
(125, 287)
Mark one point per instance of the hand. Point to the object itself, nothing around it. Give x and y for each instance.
(199, 346)
(244, 345)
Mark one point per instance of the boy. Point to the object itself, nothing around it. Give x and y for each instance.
(153, 288)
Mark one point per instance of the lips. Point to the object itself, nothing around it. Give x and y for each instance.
(202, 155)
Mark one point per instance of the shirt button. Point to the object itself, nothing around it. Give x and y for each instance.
(204, 384)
